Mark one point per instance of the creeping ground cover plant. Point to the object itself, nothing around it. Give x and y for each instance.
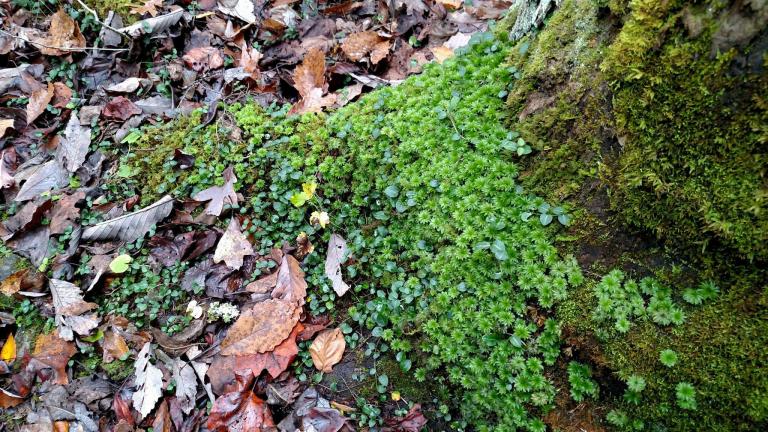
(420, 181)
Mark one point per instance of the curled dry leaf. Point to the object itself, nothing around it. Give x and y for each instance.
(203, 58)
(232, 247)
(63, 37)
(242, 9)
(336, 255)
(249, 61)
(358, 45)
(131, 226)
(69, 306)
(309, 80)
(5, 124)
(61, 95)
(218, 196)
(261, 328)
(38, 101)
(327, 349)
(149, 383)
(153, 25)
(291, 285)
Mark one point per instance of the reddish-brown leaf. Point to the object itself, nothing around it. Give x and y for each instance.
(61, 95)
(223, 369)
(52, 352)
(411, 422)
(162, 422)
(261, 328)
(120, 108)
(38, 101)
(65, 212)
(241, 411)
(263, 285)
(203, 58)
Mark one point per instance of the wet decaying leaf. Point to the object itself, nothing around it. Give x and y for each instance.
(38, 101)
(336, 255)
(327, 349)
(149, 382)
(131, 226)
(52, 352)
(413, 421)
(241, 411)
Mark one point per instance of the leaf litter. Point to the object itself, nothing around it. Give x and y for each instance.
(76, 78)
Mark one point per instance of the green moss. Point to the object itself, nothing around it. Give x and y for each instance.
(118, 370)
(693, 164)
(120, 7)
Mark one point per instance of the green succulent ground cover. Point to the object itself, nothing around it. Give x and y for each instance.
(452, 245)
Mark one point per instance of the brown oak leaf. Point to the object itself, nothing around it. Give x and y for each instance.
(38, 101)
(120, 108)
(52, 352)
(309, 80)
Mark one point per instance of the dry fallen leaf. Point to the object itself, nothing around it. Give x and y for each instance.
(12, 284)
(358, 45)
(149, 383)
(203, 58)
(336, 255)
(233, 246)
(131, 226)
(218, 196)
(73, 147)
(263, 285)
(249, 61)
(63, 37)
(451, 4)
(291, 285)
(223, 369)
(69, 306)
(5, 124)
(38, 101)
(149, 7)
(242, 9)
(327, 349)
(261, 328)
(51, 351)
(441, 53)
(8, 353)
(309, 80)
(114, 346)
(120, 108)
(61, 95)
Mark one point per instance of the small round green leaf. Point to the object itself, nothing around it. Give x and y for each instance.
(120, 263)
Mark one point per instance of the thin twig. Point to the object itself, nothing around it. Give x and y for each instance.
(38, 44)
(102, 23)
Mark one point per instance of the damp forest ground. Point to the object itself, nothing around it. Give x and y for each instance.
(561, 232)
